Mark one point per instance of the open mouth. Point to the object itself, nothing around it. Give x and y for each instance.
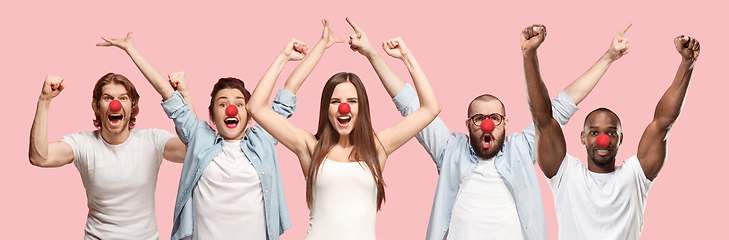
(603, 152)
(231, 122)
(116, 119)
(486, 143)
(344, 120)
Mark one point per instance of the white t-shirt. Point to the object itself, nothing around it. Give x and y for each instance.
(345, 202)
(120, 181)
(484, 208)
(228, 198)
(599, 205)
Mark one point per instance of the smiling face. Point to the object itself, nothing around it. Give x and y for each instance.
(602, 122)
(344, 93)
(229, 127)
(486, 145)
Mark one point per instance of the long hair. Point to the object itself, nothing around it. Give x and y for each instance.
(362, 136)
(113, 78)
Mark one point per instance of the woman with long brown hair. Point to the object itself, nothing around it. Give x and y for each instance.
(344, 160)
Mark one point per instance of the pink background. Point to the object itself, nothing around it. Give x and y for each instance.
(465, 48)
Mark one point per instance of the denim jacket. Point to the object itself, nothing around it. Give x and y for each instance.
(203, 144)
(456, 160)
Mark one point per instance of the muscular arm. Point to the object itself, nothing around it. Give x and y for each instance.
(551, 147)
(652, 146)
(582, 86)
(41, 153)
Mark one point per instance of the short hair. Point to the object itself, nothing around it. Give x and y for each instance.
(602, 109)
(486, 98)
(229, 83)
(113, 78)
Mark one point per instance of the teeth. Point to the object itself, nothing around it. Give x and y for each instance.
(344, 117)
(115, 115)
(231, 119)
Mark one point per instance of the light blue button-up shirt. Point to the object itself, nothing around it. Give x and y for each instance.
(203, 144)
(456, 160)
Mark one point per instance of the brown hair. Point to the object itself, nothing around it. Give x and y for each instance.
(362, 136)
(226, 83)
(113, 78)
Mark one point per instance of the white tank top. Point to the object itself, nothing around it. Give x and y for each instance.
(345, 202)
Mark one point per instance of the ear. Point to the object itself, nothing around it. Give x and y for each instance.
(506, 124)
(582, 138)
(620, 140)
(467, 127)
(210, 116)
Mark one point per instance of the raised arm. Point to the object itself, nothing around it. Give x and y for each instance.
(582, 86)
(41, 153)
(551, 147)
(295, 139)
(652, 146)
(301, 72)
(360, 43)
(174, 148)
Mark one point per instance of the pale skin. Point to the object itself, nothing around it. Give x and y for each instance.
(302, 143)
(551, 153)
(652, 146)
(43, 153)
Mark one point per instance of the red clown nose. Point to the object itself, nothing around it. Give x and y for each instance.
(602, 140)
(487, 126)
(115, 105)
(231, 110)
(344, 108)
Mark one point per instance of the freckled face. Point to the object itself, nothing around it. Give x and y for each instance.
(344, 93)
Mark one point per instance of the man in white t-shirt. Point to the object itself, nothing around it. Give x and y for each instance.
(600, 200)
(118, 164)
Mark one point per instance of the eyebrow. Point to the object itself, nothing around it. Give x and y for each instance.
(221, 98)
(591, 127)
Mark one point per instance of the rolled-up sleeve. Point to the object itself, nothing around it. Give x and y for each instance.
(185, 121)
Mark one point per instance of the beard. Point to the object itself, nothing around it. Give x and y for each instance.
(498, 144)
(602, 162)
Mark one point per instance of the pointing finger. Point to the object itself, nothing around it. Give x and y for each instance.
(625, 29)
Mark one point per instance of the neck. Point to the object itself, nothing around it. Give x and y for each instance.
(115, 138)
(344, 141)
(606, 168)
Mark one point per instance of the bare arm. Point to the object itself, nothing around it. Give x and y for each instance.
(551, 147)
(301, 72)
(582, 86)
(41, 153)
(360, 43)
(652, 146)
(295, 139)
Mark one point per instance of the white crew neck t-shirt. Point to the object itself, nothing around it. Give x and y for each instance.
(228, 198)
(120, 181)
(484, 208)
(599, 205)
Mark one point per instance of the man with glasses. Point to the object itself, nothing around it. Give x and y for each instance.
(487, 185)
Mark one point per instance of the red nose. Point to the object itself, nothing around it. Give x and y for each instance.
(487, 126)
(231, 110)
(115, 105)
(344, 108)
(603, 140)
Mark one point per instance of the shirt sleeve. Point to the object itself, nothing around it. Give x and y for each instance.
(644, 184)
(284, 103)
(77, 142)
(435, 136)
(562, 110)
(556, 180)
(160, 138)
(185, 121)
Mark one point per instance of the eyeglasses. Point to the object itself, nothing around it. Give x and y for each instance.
(477, 118)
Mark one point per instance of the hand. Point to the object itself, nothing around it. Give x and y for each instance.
(51, 87)
(328, 35)
(122, 43)
(531, 37)
(358, 42)
(295, 50)
(688, 47)
(395, 48)
(619, 46)
(178, 82)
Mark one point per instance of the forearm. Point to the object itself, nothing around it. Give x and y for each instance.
(537, 94)
(158, 81)
(391, 81)
(582, 86)
(426, 95)
(301, 72)
(38, 149)
(669, 107)
(259, 99)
